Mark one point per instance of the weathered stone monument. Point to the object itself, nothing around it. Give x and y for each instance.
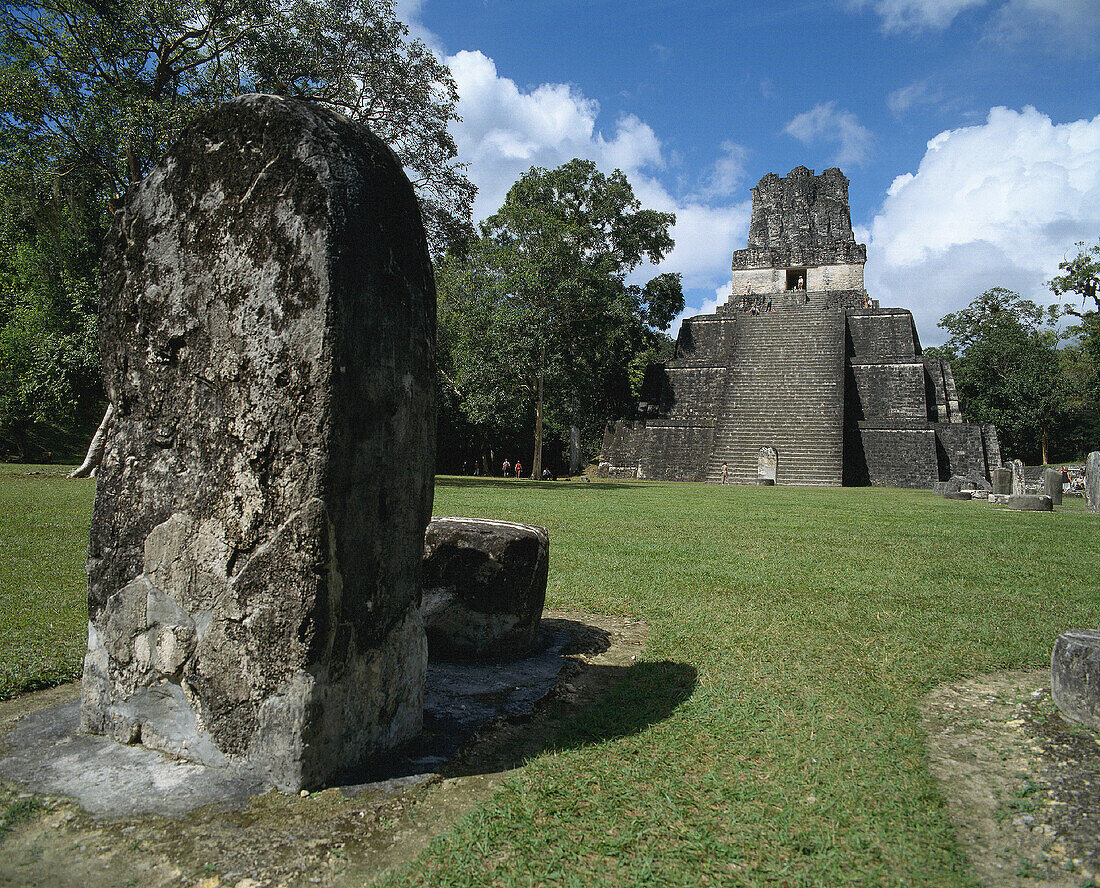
(267, 327)
(1092, 482)
(1019, 487)
(1002, 481)
(801, 360)
(484, 587)
(1029, 502)
(1075, 676)
(767, 466)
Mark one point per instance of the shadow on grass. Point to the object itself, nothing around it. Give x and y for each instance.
(485, 718)
(591, 703)
(516, 483)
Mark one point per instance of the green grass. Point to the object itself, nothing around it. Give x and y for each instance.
(769, 734)
(44, 521)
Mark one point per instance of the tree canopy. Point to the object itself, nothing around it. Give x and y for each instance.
(93, 92)
(1010, 371)
(539, 321)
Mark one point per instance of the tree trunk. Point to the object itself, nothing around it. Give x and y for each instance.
(1044, 436)
(536, 461)
(574, 450)
(95, 450)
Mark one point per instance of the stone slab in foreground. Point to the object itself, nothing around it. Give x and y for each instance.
(1075, 676)
(267, 324)
(1029, 502)
(484, 587)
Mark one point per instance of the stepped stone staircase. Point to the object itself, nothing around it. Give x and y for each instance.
(784, 389)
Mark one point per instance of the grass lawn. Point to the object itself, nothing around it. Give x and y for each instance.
(769, 734)
(44, 521)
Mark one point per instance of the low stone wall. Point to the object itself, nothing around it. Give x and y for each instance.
(656, 451)
(893, 456)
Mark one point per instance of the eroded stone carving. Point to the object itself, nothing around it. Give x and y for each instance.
(267, 326)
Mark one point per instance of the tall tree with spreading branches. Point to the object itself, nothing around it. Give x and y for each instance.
(93, 91)
(542, 299)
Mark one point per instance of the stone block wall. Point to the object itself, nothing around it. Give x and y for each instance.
(961, 449)
(884, 333)
(656, 451)
(835, 277)
(704, 338)
(818, 278)
(889, 391)
(894, 456)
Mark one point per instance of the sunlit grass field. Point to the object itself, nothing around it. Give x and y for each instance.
(768, 735)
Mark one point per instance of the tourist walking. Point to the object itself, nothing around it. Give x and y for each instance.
(519, 469)
(725, 474)
(507, 468)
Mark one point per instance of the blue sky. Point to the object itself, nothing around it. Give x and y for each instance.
(970, 129)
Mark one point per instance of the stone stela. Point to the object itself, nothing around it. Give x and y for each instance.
(267, 330)
(802, 361)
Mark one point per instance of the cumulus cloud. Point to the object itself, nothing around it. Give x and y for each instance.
(505, 130)
(728, 172)
(998, 204)
(827, 123)
(916, 15)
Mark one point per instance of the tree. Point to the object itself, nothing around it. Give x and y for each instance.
(101, 88)
(93, 92)
(1007, 367)
(538, 307)
(1081, 275)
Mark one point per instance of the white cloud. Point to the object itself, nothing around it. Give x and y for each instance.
(1071, 25)
(825, 122)
(505, 130)
(998, 204)
(728, 171)
(907, 97)
(917, 15)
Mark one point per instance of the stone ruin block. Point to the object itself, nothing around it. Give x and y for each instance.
(1002, 481)
(484, 588)
(1052, 485)
(1029, 502)
(1075, 676)
(267, 328)
(1092, 482)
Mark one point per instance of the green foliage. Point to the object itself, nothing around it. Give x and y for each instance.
(93, 93)
(50, 389)
(542, 294)
(1004, 354)
(99, 90)
(1082, 276)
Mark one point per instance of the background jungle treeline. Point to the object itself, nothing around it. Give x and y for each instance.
(544, 333)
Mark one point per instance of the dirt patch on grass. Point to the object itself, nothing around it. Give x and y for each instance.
(342, 836)
(1022, 784)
